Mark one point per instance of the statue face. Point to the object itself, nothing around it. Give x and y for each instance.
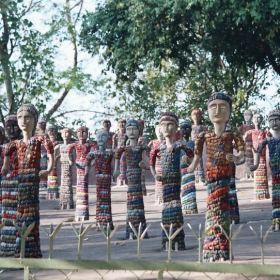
(274, 122)
(248, 116)
(185, 131)
(107, 125)
(66, 135)
(196, 117)
(257, 119)
(42, 126)
(82, 135)
(52, 132)
(159, 133)
(219, 111)
(132, 132)
(121, 126)
(12, 130)
(102, 138)
(26, 121)
(168, 129)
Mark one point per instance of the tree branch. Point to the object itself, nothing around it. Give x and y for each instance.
(88, 111)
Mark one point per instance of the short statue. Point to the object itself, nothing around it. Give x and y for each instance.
(82, 148)
(261, 190)
(273, 144)
(119, 140)
(102, 160)
(9, 187)
(29, 154)
(133, 153)
(107, 126)
(248, 158)
(154, 145)
(170, 156)
(53, 187)
(66, 159)
(219, 152)
(188, 190)
(196, 129)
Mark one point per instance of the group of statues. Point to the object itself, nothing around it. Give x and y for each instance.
(175, 161)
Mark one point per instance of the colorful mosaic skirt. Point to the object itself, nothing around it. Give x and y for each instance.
(9, 214)
(188, 192)
(53, 187)
(158, 188)
(28, 211)
(233, 201)
(43, 166)
(275, 215)
(249, 160)
(103, 201)
(66, 189)
(122, 178)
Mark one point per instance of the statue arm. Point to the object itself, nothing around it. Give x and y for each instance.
(117, 161)
(50, 150)
(198, 149)
(5, 167)
(240, 147)
(153, 156)
(257, 155)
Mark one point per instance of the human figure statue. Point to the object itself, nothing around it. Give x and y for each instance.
(153, 144)
(135, 164)
(44, 159)
(170, 155)
(66, 159)
(53, 187)
(119, 140)
(29, 154)
(248, 158)
(2, 150)
(261, 190)
(107, 126)
(102, 160)
(273, 144)
(188, 190)
(9, 187)
(219, 152)
(197, 128)
(82, 148)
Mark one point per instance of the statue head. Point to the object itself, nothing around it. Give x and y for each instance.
(142, 124)
(158, 132)
(52, 130)
(12, 128)
(102, 137)
(82, 133)
(66, 134)
(185, 129)
(274, 119)
(257, 119)
(121, 125)
(42, 124)
(219, 108)
(27, 116)
(248, 115)
(2, 135)
(169, 124)
(196, 116)
(106, 125)
(133, 129)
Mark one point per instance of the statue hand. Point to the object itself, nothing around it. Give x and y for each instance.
(158, 177)
(191, 169)
(4, 170)
(70, 162)
(142, 165)
(116, 174)
(231, 157)
(43, 173)
(253, 167)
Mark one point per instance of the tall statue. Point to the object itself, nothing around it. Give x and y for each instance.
(188, 190)
(107, 126)
(44, 159)
(261, 190)
(29, 154)
(2, 152)
(9, 186)
(170, 155)
(249, 158)
(133, 153)
(66, 159)
(102, 160)
(82, 148)
(273, 144)
(154, 145)
(53, 187)
(196, 129)
(219, 152)
(119, 140)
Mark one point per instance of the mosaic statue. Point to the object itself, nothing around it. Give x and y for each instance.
(196, 129)
(188, 190)
(66, 159)
(44, 159)
(119, 140)
(2, 152)
(170, 156)
(261, 189)
(107, 126)
(219, 153)
(82, 149)
(9, 187)
(154, 145)
(29, 154)
(133, 152)
(249, 158)
(53, 187)
(273, 144)
(102, 160)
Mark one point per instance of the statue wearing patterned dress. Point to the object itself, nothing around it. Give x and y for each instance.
(82, 149)
(29, 154)
(219, 152)
(102, 160)
(2, 154)
(135, 203)
(107, 126)
(261, 189)
(170, 156)
(273, 144)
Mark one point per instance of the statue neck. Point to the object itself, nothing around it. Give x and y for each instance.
(219, 128)
(101, 148)
(133, 142)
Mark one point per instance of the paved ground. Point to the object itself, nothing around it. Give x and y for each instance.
(246, 247)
